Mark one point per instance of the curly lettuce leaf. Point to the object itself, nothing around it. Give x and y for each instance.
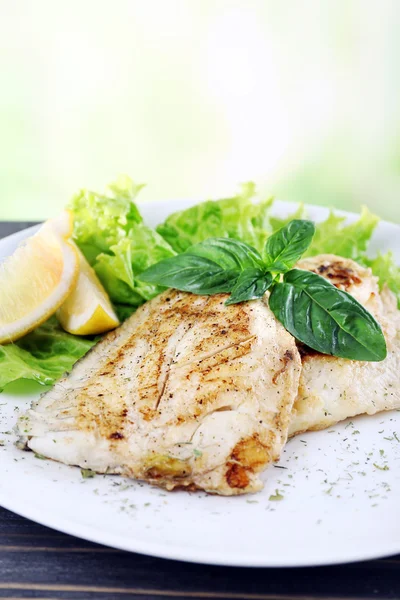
(43, 355)
(109, 230)
(238, 217)
(384, 267)
(133, 254)
(350, 241)
(124, 311)
(100, 221)
(277, 222)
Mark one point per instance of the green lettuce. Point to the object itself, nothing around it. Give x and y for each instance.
(119, 270)
(350, 241)
(109, 230)
(384, 267)
(238, 217)
(101, 220)
(279, 222)
(43, 355)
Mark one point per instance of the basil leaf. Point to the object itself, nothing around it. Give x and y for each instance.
(227, 253)
(189, 273)
(285, 247)
(326, 319)
(252, 283)
(210, 267)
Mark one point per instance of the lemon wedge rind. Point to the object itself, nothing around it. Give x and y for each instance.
(37, 278)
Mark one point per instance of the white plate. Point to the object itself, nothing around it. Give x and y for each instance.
(337, 505)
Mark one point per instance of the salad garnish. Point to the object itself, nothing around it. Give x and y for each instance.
(110, 231)
(312, 309)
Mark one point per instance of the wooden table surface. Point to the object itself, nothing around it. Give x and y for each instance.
(37, 562)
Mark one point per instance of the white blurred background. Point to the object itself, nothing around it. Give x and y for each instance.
(194, 96)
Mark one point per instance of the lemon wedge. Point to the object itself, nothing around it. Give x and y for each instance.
(87, 310)
(37, 278)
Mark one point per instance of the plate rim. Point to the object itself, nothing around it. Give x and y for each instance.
(185, 554)
(181, 552)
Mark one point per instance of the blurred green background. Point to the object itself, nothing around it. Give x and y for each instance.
(194, 96)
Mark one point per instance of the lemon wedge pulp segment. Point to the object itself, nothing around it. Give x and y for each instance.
(87, 310)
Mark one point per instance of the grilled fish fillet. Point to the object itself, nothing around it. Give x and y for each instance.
(186, 393)
(332, 389)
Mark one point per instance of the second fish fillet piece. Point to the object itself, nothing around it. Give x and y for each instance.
(186, 393)
(332, 389)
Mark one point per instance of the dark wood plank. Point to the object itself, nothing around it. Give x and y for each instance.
(9, 227)
(35, 558)
(37, 562)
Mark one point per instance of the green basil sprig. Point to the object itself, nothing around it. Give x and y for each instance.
(191, 273)
(328, 320)
(313, 310)
(210, 267)
(252, 283)
(285, 247)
